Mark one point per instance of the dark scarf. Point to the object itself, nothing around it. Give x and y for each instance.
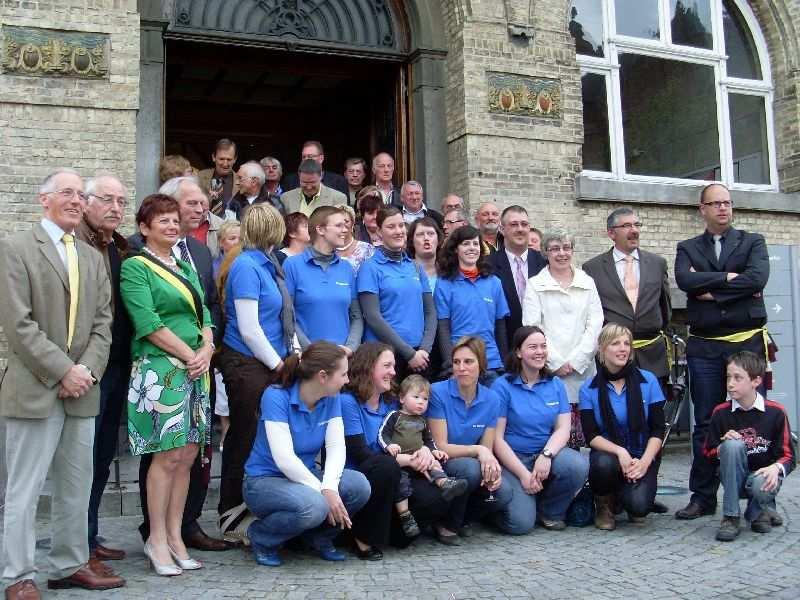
(287, 308)
(633, 438)
(322, 260)
(395, 255)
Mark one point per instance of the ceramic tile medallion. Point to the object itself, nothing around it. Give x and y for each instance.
(53, 53)
(525, 96)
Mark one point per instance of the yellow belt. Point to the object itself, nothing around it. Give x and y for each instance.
(639, 344)
(742, 336)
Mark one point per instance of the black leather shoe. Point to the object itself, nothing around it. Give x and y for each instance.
(200, 541)
(659, 508)
(693, 511)
(372, 553)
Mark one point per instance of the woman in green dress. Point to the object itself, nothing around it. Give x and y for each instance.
(168, 399)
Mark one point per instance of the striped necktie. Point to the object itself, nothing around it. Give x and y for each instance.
(74, 284)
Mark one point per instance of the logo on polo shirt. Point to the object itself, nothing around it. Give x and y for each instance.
(480, 426)
(344, 283)
(551, 403)
(488, 300)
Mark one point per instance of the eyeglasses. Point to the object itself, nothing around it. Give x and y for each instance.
(121, 201)
(565, 248)
(719, 203)
(69, 193)
(450, 222)
(629, 226)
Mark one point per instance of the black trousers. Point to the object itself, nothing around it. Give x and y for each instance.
(605, 479)
(245, 379)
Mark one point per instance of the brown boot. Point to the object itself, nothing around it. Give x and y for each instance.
(604, 513)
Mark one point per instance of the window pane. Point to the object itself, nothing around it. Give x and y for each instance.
(691, 23)
(596, 143)
(669, 115)
(586, 26)
(637, 18)
(749, 137)
(739, 45)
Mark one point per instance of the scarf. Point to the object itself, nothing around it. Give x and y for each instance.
(471, 274)
(634, 438)
(287, 308)
(396, 255)
(322, 260)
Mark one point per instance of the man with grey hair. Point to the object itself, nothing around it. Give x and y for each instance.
(452, 202)
(56, 316)
(252, 190)
(107, 199)
(487, 220)
(274, 172)
(453, 219)
(383, 174)
(190, 212)
(413, 205)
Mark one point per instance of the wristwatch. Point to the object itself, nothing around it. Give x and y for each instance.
(547, 453)
(89, 371)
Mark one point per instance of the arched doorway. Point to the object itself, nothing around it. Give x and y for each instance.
(273, 73)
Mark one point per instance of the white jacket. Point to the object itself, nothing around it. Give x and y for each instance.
(570, 318)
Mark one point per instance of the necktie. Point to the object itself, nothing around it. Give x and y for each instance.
(520, 279)
(630, 281)
(74, 284)
(718, 245)
(184, 252)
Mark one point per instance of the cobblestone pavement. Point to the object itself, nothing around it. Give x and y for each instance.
(663, 559)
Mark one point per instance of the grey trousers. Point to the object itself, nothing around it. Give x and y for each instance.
(32, 447)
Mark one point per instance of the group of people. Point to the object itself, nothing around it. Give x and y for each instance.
(379, 368)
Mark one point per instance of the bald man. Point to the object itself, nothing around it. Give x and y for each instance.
(487, 219)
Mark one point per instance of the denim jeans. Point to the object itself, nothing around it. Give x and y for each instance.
(286, 509)
(738, 482)
(472, 505)
(568, 474)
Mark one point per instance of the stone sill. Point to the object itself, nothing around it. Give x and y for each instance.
(637, 192)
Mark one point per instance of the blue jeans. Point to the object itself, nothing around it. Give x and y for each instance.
(286, 509)
(738, 482)
(568, 474)
(472, 505)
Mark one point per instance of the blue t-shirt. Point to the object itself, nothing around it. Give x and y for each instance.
(308, 428)
(531, 412)
(651, 394)
(252, 277)
(473, 308)
(465, 426)
(399, 287)
(321, 297)
(359, 418)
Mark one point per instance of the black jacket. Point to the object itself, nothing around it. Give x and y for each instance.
(239, 202)
(738, 304)
(502, 268)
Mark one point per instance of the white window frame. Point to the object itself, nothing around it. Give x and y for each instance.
(714, 57)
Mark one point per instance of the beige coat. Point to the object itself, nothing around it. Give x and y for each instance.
(34, 295)
(292, 199)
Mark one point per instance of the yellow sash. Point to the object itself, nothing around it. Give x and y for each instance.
(173, 281)
(742, 336)
(639, 344)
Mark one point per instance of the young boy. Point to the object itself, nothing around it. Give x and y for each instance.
(405, 431)
(751, 438)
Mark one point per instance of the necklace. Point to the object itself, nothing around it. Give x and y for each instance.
(346, 247)
(169, 261)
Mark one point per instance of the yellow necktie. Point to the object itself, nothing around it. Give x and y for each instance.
(631, 283)
(74, 284)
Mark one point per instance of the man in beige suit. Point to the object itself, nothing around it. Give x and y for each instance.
(56, 314)
(312, 193)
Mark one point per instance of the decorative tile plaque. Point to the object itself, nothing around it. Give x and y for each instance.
(525, 96)
(53, 53)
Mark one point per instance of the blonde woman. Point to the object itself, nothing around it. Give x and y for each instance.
(353, 250)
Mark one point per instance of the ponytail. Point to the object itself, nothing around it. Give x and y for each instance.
(319, 356)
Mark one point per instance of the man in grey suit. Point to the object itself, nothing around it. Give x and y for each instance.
(634, 289)
(312, 193)
(56, 300)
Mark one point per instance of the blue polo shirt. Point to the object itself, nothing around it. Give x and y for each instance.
(307, 428)
(530, 412)
(399, 287)
(252, 277)
(473, 308)
(589, 399)
(465, 426)
(359, 418)
(321, 297)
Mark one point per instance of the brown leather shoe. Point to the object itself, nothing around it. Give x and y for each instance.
(103, 553)
(693, 511)
(200, 541)
(87, 579)
(23, 590)
(604, 513)
(100, 568)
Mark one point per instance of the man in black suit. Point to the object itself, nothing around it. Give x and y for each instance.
(723, 272)
(312, 150)
(514, 264)
(634, 288)
(190, 199)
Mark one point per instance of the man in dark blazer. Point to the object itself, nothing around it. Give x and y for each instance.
(723, 272)
(646, 308)
(190, 199)
(312, 150)
(514, 264)
(412, 204)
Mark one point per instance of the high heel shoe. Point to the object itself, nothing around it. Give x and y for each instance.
(187, 564)
(163, 570)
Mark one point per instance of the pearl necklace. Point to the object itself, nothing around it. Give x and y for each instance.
(169, 262)
(347, 247)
